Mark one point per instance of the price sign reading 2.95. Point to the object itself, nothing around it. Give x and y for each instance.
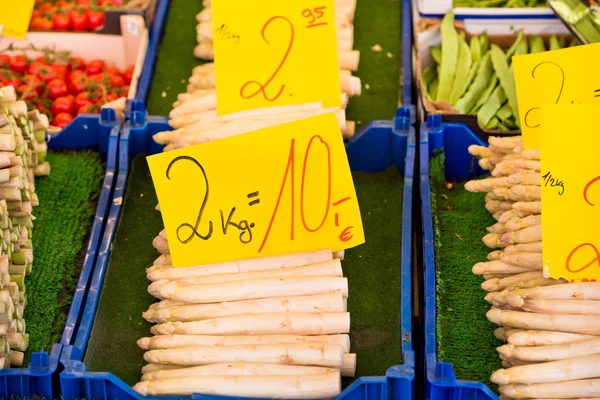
(570, 192)
(553, 77)
(280, 53)
(275, 191)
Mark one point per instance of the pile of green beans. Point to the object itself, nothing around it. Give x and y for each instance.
(500, 3)
(477, 77)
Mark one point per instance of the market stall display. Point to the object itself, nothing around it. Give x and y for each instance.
(61, 85)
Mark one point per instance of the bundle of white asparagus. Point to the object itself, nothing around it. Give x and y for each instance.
(194, 116)
(267, 327)
(551, 327)
(22, 153)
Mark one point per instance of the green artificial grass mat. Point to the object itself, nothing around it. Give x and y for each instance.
(68, 198)
(465, 337)
(373, 271)
(377, 22)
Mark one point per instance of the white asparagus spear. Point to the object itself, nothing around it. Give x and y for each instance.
(496, 205)
(508, 215)
(533, 247)
(533, 207)
(544, 306)
(314, 354)
(543, 338)
(326, 385)
(585, 324)
(159, 367)
(554, 371)
(492, 240)
(497, 267)
(494, 255)
(251, 289)
(552, 352)
(491, 285)
(571, 291)
(516, 279)
(519, 223)
(525, 260)
(566, 389)
(506, 142)
(236, 369)
(525, 178)
(172, 341)
(255, 264)
(265, 324)
(325, 268)
(481, 151)
(525, 235)
(330, 302)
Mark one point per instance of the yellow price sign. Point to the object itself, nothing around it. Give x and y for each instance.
(276, 53)
(15, 17)
(570, 192)
(553, 77)
(279, 190)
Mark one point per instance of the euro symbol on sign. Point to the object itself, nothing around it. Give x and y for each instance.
(346, 234)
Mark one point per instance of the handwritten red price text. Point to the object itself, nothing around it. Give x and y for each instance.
(346, 233)
(314, 15)
(582, 246)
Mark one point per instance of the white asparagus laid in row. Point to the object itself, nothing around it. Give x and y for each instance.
(532, 247)
(263, 324)
(325, 268)
(251, 289)
(566, 389)
(584, 324)
(231, 267)
(525, 235)
(236, 369)
(510, 214)
(555, 371)
(327, 385)
(552, 352)
(315, 354)
(571, 291)
(497, 267)
(544, 306)
(525, 260)
(322, 303)
(517, 223)
(544, 338)
(173, 341)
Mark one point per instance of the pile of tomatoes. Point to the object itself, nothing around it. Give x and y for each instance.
(67, 15)
(62, 89)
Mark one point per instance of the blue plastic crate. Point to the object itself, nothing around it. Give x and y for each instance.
(376, 147)
(440, 381)
(87, 132)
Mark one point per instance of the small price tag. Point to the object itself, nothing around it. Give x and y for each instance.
(571, 192)
(15, 17)
(553, 77)
(276, 53)
(275, 191)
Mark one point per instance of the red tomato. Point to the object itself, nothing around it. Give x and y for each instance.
(128, 74)
(61, 120)
(44, 23)
(95, 67)
(116, 81)
(14, 81)
(61, 21)
(62, 71)
(95, 19)
(82, 99)
(82, 2)
(88, 109)
(18, 63)
(63, 105)
(79, 20)
(35, 83)
(77, 63)
(64, 4)
(46, 72)
(26, 93)
(45, 7)
(57, 88)
(113, 71)
(4, 60)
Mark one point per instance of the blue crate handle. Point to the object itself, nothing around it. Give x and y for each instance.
(441, 382)
(383, 143)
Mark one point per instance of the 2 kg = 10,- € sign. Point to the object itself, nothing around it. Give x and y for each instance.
(281, 53)
(275, 191)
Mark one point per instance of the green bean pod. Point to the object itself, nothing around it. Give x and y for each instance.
(450, 48)
(506, 77)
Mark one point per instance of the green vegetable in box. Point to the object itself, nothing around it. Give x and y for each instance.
(476, 77)
(580, 16)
